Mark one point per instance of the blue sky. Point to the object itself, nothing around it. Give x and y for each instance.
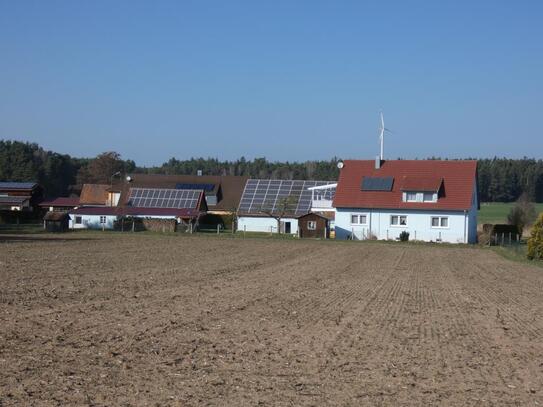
(288, 80)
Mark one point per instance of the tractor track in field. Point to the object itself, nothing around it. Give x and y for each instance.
(241, 322)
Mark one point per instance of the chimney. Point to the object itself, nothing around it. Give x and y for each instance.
(199, 173)
(377, 162)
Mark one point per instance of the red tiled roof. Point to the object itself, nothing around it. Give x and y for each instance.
(131, 211)
(61, 201)
(458, 180)
(421, 184)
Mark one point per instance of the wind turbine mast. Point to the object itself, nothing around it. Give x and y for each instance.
(382, 137)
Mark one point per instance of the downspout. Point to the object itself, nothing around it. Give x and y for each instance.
(465, 226)
(370, 232)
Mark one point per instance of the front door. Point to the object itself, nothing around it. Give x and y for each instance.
(287, 227)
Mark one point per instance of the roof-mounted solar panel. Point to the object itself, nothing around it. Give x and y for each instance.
(377, 183)
(262, 195)
(204, 187)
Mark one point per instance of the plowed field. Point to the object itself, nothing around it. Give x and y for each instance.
(111, 320)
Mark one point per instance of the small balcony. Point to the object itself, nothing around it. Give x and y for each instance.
(321, 204)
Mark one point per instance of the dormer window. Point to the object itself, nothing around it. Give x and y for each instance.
(411, 197)
(429, 197)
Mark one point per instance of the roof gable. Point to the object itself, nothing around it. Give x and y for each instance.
(94, 194)
(454, 179)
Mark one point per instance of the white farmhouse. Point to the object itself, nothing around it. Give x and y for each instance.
(432, 200)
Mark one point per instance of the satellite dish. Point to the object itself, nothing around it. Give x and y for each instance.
(340, 165)
(128, 178)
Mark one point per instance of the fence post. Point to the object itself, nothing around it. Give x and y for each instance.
(503, 238)
(244, 230)
(509, 238)
(218, 229)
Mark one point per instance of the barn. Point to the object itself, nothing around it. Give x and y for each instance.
(185, 206)
(432, 200)
(60, 204)
(272, 206)
(20, 196)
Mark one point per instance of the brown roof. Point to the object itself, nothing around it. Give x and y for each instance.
(55, 216)
(457, 186)
(324, 215)
(61, 201)
(231, 187)
(94, 194)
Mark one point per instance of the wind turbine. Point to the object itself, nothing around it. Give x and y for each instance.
(382, 130)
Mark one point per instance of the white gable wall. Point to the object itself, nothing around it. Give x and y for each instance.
(92, 222)
(418, 225)
(264, 224)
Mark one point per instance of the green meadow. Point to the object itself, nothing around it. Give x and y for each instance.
(496, 212)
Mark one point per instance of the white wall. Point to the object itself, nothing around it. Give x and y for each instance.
(418, 225)
(263, 224)
(472, 216)
(92, 222)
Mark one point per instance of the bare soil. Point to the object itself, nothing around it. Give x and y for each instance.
(123, 320)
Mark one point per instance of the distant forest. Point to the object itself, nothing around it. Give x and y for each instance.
(500, 179)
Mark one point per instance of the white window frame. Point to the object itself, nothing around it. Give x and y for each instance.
(399, 225)
(311, 225)
(358, 217)
(103, 219)
(440, 222)
(412, 193)
(424, 194)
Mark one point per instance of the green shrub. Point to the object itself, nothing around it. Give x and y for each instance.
(404, 236)
(535, 242)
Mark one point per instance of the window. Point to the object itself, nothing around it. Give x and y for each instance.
(428, 197)
(359, 219)
(440, 222)
(78, 220)
(102, 219)
(311, 225)
(411, 197)
(398, 220)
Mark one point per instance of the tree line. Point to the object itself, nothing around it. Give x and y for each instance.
(499, 179)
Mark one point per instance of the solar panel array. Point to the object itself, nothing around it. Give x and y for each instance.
(265, 195)
(164, 198)
(17, 185)
(377, 183)
(203, 187)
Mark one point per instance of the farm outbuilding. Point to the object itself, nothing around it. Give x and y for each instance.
(313, 225)
(56, 221)
(266, 200)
